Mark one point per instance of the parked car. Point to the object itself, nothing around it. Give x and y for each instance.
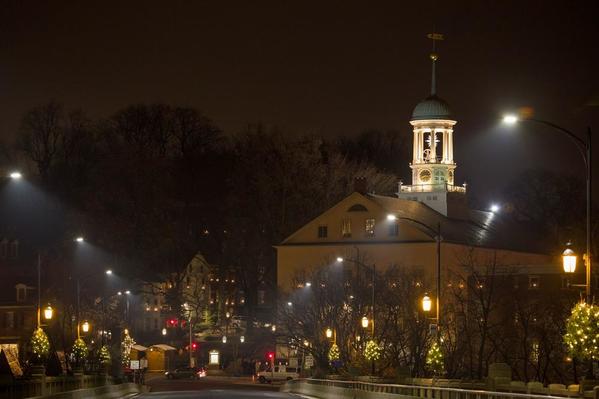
(186, 372)
(278, 373)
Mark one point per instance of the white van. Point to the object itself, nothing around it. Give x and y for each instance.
(279, 373)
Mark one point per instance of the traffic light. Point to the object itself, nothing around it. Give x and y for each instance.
(173, 322)
(194, 346)
(270, 355)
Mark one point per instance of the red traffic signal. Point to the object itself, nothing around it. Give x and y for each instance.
(270, 355)
(173, 322)
(194, 346)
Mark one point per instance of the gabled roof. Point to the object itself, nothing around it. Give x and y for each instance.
(480, 229)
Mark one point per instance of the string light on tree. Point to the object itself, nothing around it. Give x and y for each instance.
(434, 359)
(104, 355)
(372, 351)
(582, 331)
(79, 350)
(334, 353)
(126, 345)
(40, 344)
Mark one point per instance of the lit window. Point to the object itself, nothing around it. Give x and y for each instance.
(369, 227)
(533, 282)
(323, 231)
(346, 228)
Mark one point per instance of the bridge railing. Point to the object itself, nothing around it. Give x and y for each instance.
(358, 389)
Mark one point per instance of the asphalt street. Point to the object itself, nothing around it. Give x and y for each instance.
(212, 387)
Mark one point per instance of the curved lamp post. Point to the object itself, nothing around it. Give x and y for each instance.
(585, 150)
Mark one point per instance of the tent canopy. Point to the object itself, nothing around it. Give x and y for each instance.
(163, 347)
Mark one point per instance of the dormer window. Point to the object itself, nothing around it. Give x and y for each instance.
(21, 292)
(323, 231)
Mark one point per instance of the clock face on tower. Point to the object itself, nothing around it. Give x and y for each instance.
(425, 175)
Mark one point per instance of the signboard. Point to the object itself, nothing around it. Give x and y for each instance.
(309, 361)
(134, 365)
(143, 363)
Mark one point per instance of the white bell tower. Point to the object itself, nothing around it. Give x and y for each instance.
(433, 166)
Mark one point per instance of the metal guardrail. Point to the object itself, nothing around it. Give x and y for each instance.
(427, 392)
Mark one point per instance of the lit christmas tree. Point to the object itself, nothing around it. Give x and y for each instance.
(126, 345)
(434, 359)
(79, 350)
(372, 351)
(104, 355)
(582, 331)
(40, 344)
(334, 353)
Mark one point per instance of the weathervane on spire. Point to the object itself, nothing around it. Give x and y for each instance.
(434, 56)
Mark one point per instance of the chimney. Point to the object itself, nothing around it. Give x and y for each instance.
(360, 185)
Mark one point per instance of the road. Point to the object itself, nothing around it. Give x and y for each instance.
(211, 387)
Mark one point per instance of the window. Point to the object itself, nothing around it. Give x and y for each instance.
(214, 357)
(533, 282)
(3, 249)
(357, 208)
(323, 231)
(369, 227)
(10, 320)
(393, 229)
(346, 228)
(21, 294)
(14, 249)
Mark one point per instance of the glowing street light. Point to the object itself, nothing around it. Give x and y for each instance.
(85, 326)
(510, 119)
(79, 239)
(308, 284)
(391, 217)
(494, 208)
(427, 303)
(128, 292)
(339, 259)
(109, 272)
(328, 333)
(569, 260)
(242, 339)
(164, 331)
(224, 339)
(15, 175)
(365, 322)
(48, 312)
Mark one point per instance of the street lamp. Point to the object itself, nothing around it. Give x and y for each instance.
(79, 239)
(85, 326)
(224, 339)
(569, 260)
(426, 303)
(365, 322)
(494, 208)
(15, 175)
(328, 333)
(585, 149)
(109, 272)
(164, 331)
(242, 339)
(48, 312)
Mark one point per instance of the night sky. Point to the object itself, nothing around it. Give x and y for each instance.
(328, 67)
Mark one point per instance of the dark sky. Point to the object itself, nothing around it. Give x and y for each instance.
(328, 67)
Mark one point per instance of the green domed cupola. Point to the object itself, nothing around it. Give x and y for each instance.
(431, 107)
